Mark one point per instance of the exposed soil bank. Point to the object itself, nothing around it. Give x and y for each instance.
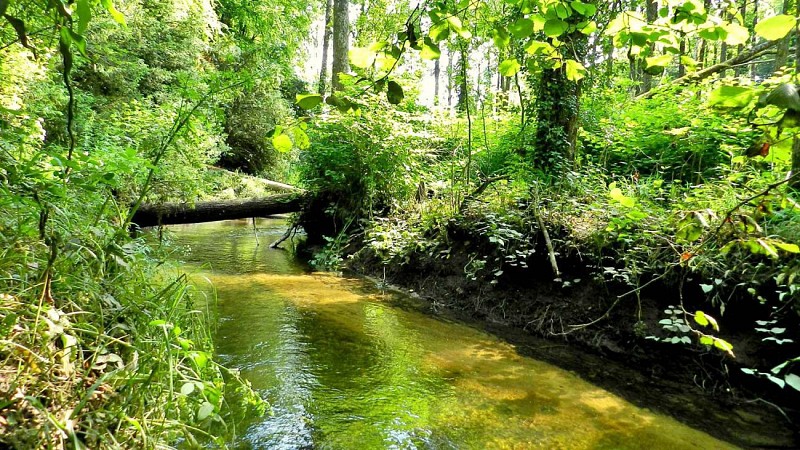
(701, 387)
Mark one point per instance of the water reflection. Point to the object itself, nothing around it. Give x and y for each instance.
(343, 369)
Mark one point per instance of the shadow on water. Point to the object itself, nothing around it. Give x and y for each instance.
(343, 368)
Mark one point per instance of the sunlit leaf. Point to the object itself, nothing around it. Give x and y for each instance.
(116, 15)
(282, 142)
(308, 101)
(361, 57)
(500, 37)
(793, 381)
(522, 28)
(509, 67)
(84, 11)
(775, 27)
(737, 34)
(658, 61)
(575, 70)
(731, 96)
(787, 247)
(555, 27)
(430, 50)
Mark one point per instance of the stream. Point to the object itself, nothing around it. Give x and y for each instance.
(345, 366)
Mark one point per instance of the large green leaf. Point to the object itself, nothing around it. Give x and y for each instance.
(116, 15)
(731, 96)
(522, 28)
(737, 34)
(658, 61)
(282, 142)
(575, 70)
(500, 37)
(555, 27)
(308, 101)
(361, 57)
(775, 27)
(430, 50)
(84, 15)
(509, 67)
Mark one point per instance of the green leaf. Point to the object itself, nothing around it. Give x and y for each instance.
(500, 37)
(538, 47)
(658, 61)
(723, 345)
(707, 288)
(584, 9)
(430, 50)
(700, 318)
(308, 101)
(204, 411)
(509, 67)
(775, 27)
(455, 25)
(187, 388)
(361, 57)
(616, 194)
(116, 15)
(84, 15)
(522, 28)
(439, 31)
(575, 70)
(587, 28)
(394, 93)
(731, 96)
(555, 27)
(282, 142)
(793, 381)
(787, 247)
(737, 34)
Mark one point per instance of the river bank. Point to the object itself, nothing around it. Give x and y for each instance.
(577, 328)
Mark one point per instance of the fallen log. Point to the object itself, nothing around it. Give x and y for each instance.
(211, 211)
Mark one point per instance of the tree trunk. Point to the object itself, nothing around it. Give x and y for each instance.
(326, 42)
(462, 84)
(212, 211)
(682, 52)
(755, 22)
(557, 107)
(742, 70)
(652, 16)
(782, 50)
(341, 41)
(436, 72)
(796, 142)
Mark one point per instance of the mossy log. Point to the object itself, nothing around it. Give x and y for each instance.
(211, 211)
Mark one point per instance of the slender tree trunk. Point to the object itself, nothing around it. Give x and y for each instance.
(341, 41)
(450, 78)
(753, 67)
(782, 51)
(682, 51)
(741, 70)
(796, 143)
(652, 15)
(436, 72)
(462, 67)
(326, 42)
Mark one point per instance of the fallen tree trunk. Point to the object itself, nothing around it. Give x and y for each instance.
(212, 211)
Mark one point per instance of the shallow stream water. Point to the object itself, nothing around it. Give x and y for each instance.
(345, 366)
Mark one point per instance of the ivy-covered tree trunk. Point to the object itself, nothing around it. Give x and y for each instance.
(652, 15)
(557, 107)
(341, 41)
(326, 42)
(462, 69)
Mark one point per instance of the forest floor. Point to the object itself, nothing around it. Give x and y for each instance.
(701, 387)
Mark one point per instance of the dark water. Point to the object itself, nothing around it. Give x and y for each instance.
(344, 369)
